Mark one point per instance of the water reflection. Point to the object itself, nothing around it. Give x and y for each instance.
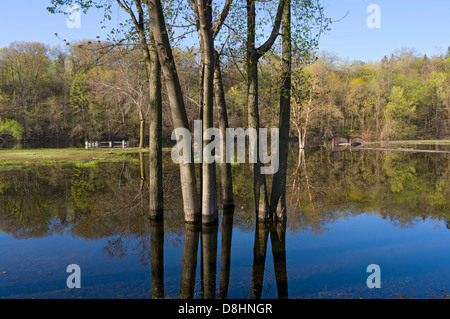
(108, 202)
(157, 258)
(225, 256)
(189, 260)
(209, 248)
(277, 232)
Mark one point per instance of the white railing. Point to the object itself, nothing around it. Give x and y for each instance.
(107, 144)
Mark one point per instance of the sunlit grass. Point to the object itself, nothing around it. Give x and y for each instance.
(79, 157)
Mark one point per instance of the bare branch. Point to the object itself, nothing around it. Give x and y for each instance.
(222, 18)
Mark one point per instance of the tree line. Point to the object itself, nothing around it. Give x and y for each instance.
(405, 96)
(84, 92)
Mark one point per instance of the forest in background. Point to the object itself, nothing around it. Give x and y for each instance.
(92, 90)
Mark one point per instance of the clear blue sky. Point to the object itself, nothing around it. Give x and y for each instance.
(423, 25)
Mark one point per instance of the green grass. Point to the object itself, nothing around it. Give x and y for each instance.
(80, 157)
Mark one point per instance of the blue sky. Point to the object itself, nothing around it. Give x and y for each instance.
(418, 24)
(422, 25)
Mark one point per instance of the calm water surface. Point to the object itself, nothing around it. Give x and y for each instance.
(346, 210)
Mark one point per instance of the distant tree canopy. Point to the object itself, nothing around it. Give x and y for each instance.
(11, 128)
(403, 97)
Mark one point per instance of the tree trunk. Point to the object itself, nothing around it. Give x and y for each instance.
(302, 137)
(278, 196)
(141, 128)
(156, 202)
(253, 56)
(209, 191)
(377, 117)
(226, 174)
(178, 110)
(259, 180)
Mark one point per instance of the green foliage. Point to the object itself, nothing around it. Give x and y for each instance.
(80, 93)
(399, 114)
(94, 88)
(11, 128)
(404, 97)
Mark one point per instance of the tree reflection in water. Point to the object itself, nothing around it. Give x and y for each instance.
(277, 232)
(110, 200)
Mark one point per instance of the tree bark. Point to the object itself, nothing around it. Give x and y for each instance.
(259, 181)
(226, 174)
(177, 106)
(141, 128)
(156, 202)
(253, 56)
(209, 190)
(278, 195)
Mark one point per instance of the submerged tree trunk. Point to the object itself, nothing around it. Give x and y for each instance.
(278, 196)
(155, 107)
(253, 56)
(209, 191)
(156, 202)
(177, 106)
(259, 181)
(226, 174)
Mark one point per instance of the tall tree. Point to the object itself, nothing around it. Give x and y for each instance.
(278, 194)
(175, 95)
(221, 105)
(136, 12)
(203, 13)
(25, 67)
(253, 55)
(220, 102)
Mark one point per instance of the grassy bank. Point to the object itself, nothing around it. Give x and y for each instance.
(64, 155)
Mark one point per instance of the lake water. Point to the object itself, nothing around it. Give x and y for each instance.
(346, 211)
